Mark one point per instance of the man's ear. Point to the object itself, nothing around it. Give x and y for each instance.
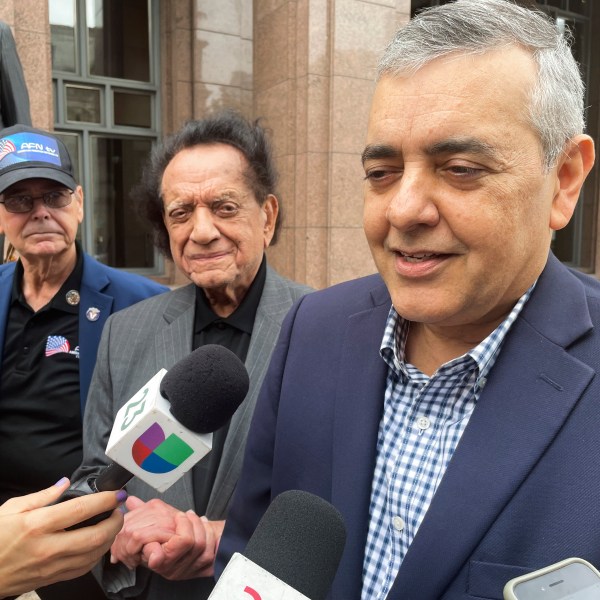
(573, 167)
(270, 210)
(78, 196)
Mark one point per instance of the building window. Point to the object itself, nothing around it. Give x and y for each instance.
(106, 82)
(576, 243)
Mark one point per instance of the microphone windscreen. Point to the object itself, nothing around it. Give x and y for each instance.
(205, 388)
(300, 540)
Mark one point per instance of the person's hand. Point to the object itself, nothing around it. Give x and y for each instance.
(145, 523)
(190, 552)
(172, 543)
(35, 549)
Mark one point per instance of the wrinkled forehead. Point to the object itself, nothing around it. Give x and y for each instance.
(489, 90)
(493, 67)
(206, 170)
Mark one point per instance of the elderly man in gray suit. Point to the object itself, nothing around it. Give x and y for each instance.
(209, 192)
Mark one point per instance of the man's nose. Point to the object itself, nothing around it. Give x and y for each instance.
(413, 201)
(39, 210)
(204, 228)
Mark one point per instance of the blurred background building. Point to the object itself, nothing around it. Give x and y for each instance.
(113, 76)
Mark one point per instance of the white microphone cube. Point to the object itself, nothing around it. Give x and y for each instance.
(150, 443)
(244, 580)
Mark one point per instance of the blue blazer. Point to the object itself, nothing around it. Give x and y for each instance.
(523, 487)
(102, 287)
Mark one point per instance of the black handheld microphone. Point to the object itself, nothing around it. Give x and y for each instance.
(293, 554)
(200, 392)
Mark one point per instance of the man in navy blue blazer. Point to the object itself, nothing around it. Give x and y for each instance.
(54, 302)
(449, 406)
(103, 291)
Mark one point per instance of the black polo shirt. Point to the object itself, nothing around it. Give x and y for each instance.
(234, 333)
(40, 414)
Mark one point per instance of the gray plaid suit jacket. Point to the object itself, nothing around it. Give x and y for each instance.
(136, 343)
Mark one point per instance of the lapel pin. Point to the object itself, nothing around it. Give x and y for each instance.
(92, 313)
(73, 297)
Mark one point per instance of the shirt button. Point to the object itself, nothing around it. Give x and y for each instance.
(398, 523)
(26, 350)
(423, 423)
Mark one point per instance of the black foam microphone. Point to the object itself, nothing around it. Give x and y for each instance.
(161, 432)
(214, 378)
(293, 554)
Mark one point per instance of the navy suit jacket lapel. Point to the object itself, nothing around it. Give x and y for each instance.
(94, 282)
(6, 279)
(358, 407)
(530, 392)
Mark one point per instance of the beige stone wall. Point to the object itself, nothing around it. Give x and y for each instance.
(313, 78)
(306, 66)
(206, 58)
(29, 22)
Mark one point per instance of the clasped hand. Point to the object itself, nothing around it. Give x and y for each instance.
(170, 542)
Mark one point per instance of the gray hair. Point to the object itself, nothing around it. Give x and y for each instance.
(556, 108)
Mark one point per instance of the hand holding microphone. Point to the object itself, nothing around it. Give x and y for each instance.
(35, 549)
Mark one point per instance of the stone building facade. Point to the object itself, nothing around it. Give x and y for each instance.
(115, 75)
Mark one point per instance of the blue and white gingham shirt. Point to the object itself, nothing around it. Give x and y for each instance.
(423, 420)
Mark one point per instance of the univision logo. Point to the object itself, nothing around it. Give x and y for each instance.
(156, 454)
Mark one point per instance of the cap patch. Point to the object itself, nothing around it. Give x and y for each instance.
(6, 147)
(28, 147)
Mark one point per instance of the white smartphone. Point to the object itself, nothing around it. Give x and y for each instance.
(570, 579)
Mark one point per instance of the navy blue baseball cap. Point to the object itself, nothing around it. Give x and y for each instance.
(29, 153)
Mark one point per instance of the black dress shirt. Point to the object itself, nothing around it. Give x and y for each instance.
(234, 333)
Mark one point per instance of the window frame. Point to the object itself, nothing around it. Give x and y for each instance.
(106, 128)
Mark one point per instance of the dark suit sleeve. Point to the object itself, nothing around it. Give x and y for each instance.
(253, 493)
(14, 98)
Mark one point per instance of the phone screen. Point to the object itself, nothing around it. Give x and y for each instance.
(574, 581)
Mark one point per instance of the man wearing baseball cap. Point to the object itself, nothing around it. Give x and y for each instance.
(54, 302)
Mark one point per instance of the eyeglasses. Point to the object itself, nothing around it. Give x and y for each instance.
(24, 203)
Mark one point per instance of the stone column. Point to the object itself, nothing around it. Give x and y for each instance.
(313, 78)
(31, 29)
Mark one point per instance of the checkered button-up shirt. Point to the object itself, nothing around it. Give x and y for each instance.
(423, 421)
